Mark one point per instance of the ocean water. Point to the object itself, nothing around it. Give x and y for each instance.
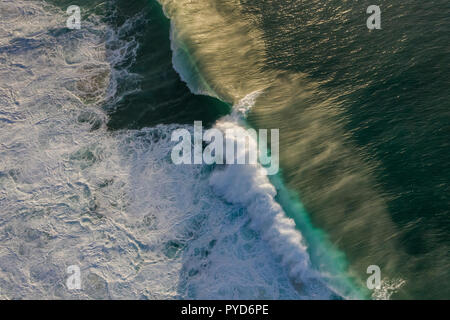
(85, 171)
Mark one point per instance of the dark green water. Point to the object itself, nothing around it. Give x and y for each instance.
(163, 97)
(392, 87)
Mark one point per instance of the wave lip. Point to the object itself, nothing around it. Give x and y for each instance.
(249, 186)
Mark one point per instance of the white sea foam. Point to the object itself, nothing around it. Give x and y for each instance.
(387, 289)
(71, 193)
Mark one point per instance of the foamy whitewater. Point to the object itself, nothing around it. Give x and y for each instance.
(72, 193)
(249, 186)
